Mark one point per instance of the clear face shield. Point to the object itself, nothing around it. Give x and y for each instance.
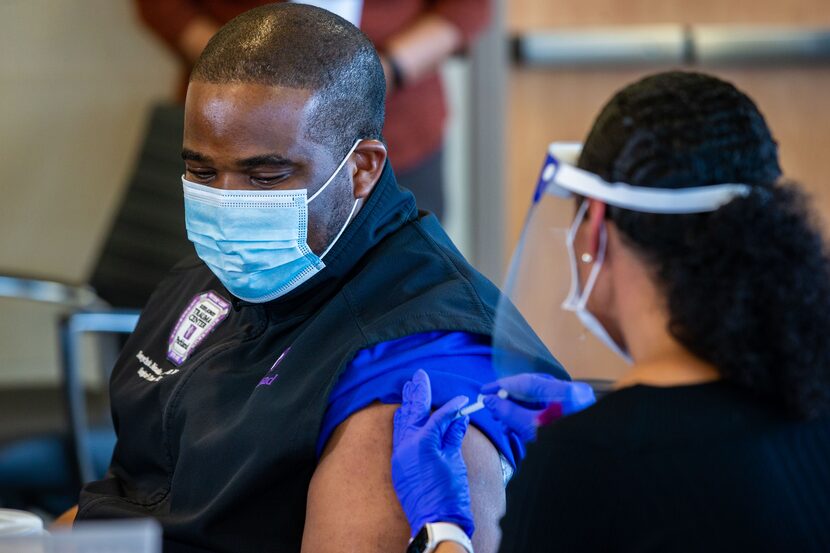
(550, 280)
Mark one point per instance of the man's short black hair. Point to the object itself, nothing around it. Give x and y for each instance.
(304, 47)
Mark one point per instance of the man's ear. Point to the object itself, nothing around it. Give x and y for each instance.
(369, 158)
(595, 220)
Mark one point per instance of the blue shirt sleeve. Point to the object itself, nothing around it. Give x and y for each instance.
(458, 363)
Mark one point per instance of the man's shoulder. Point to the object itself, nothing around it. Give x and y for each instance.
(417, 281)
(188, 264)
(416, 271)
(189, 272)
(188, 277)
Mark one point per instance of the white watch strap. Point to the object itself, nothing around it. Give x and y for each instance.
(444, 531)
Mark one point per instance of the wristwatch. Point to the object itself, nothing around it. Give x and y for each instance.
(434, 533)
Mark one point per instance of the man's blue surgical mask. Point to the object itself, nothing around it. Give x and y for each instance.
(256, 241)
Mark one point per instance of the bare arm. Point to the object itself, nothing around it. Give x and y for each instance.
(352, 506)
(195, 36)
(446, 27)
(182, 24)
(422, 47)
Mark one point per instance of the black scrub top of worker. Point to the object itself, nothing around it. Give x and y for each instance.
(640, 470)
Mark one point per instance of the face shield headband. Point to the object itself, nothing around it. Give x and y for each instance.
(560, 178)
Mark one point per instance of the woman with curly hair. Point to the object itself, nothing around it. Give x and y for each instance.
(707, 271)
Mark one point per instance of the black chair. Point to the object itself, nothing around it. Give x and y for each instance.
(148, 236)
(146, 239)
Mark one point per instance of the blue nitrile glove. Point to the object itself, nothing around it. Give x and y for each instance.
(535, 399)
(428, 471)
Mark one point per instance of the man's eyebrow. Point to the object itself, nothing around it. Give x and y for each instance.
(247, 163)
(190, 155)
(265, 159)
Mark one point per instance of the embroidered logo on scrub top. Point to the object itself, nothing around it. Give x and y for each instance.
(272, 375)
(197, 321)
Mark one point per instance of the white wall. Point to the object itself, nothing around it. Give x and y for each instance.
(76, 80)
(457, 157)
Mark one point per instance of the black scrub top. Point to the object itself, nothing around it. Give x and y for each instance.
(693, 468)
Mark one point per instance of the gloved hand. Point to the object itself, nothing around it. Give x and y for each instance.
(534, 399)
(428, 471)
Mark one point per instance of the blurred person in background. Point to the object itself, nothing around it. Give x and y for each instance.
(413, 38)
(691, 258)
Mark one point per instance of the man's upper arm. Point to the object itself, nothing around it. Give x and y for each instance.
(352, 505)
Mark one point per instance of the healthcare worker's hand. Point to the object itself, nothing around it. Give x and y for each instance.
(428, 471)
(534, 400)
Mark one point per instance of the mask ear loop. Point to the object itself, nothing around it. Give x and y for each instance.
(574, 293)
(592, 277)
(342, 230)
(580, 308)
(336, 171)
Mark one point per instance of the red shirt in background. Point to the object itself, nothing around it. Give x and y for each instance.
(415, 114)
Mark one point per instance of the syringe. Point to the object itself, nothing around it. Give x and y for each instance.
(479, 404)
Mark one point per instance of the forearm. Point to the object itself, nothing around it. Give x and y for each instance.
(182, 24)
(195, 37)
(422, 47)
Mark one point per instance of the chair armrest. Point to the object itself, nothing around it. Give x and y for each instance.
(120, 321)
(48, 291)
(72, 329)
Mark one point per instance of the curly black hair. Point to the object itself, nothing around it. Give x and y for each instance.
(747, 286)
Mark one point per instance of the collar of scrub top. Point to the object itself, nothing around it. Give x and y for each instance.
(560, 177)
